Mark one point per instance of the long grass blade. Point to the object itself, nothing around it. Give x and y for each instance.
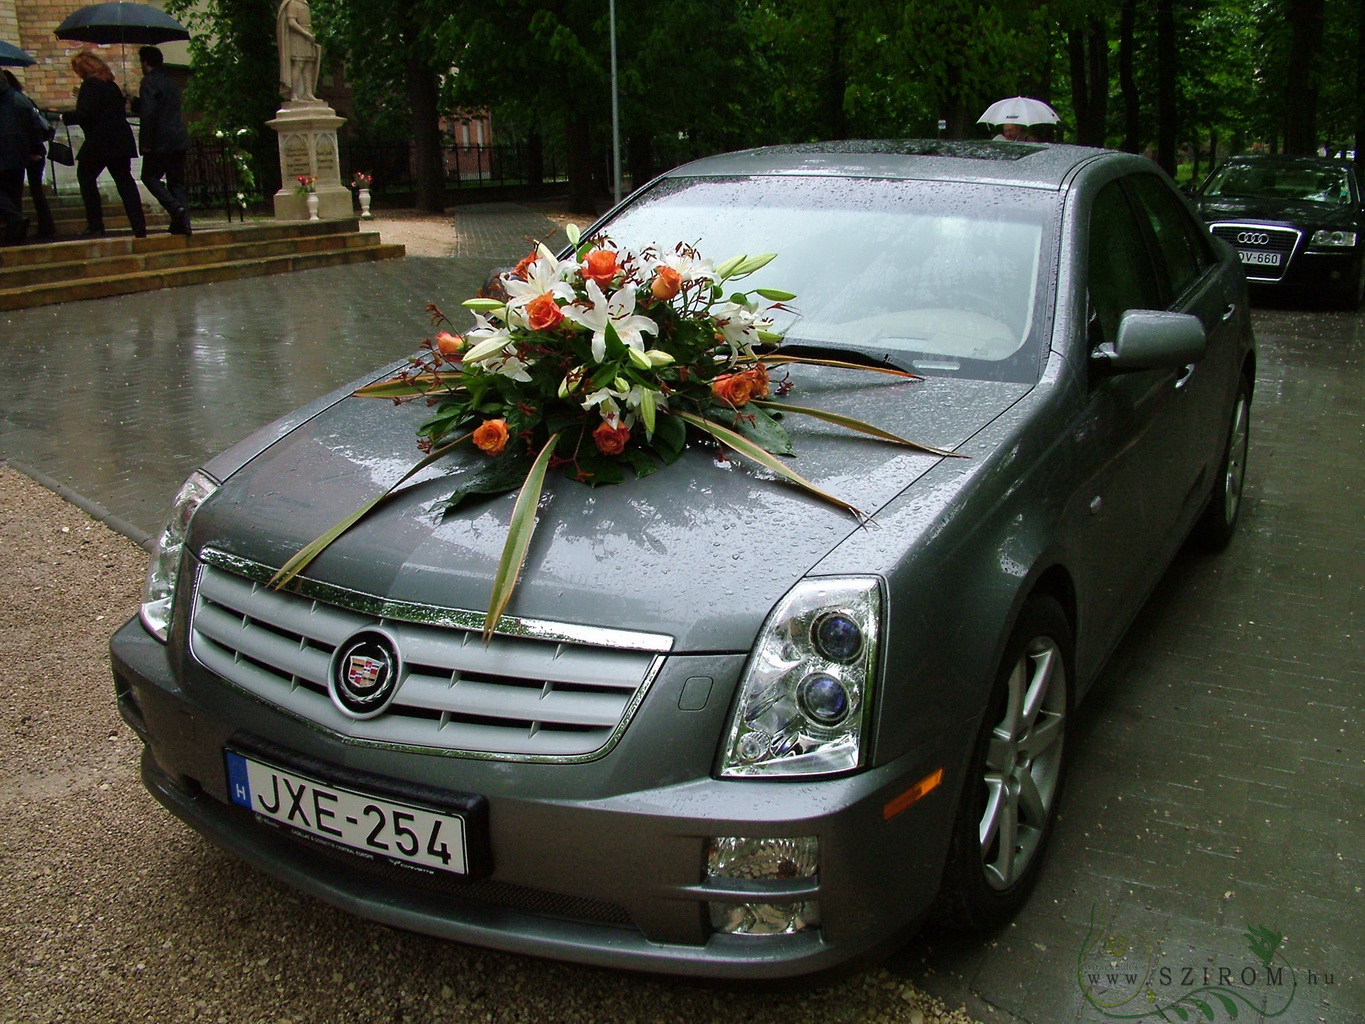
(749, 450)
(519, 532)
(849, 423)
(778, 359)
(405, 387)
(308, 552)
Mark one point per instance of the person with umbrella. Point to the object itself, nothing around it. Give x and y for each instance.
(47, 228)
(21, 142)
(108, 144)
(163, 139)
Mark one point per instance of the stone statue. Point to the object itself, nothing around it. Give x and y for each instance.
(300, 54)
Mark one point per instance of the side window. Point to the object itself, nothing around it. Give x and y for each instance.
(1120, 271)
(1181, 245)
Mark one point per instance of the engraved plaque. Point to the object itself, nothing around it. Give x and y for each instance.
(296, 161)
(326, 155)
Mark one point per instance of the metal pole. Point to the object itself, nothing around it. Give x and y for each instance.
(615, 110)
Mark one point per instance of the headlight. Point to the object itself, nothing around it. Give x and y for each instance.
(803, 703)
(1333, 239)
(159, 590)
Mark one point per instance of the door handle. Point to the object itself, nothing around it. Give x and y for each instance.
(1230, 311)
(1185, 375)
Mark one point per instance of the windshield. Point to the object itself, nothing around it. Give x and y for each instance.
(941, 278)
(1306, 182)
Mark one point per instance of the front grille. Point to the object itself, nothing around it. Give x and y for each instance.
(1261, 238)
(518, 696)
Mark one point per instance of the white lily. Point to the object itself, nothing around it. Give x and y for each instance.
(689, 268)
(486, 340)
(545, 274)
(619, 311)
(740, 325)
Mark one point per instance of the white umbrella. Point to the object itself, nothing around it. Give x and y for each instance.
(1018, 110)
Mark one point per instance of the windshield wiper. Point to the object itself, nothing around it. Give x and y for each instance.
(858, 356)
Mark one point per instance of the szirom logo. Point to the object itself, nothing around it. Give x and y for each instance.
(1123, 980)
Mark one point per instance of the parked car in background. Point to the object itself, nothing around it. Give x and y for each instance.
(724, 728)
(1297, 222)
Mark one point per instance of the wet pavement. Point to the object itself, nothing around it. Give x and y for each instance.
(1217, 787)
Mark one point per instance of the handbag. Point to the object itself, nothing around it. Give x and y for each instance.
(61, 152)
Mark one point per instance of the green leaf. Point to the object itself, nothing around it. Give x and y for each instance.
(849, 423)
(670, 437)
(638, 459)
(1228, 1004)
(519, 531)
(492, 475)
(1180, 1012)
(1203, 1008)
(305, 555)
(616, 348)
(757, 425)
(752, 451)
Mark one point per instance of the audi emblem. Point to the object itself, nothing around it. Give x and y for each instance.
(1253, 238)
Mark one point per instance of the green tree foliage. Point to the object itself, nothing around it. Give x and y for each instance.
(236, 72)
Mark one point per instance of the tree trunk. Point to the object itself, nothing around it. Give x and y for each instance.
(1166, 113)
(1360, 90)
(578, 157)
(424, 97)
(835, 82)
(1301, 93)
(1089, 56)
(1127, 84)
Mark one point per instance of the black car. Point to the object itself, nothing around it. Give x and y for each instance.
(1295, 221)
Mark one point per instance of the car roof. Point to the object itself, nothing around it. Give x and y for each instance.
(1029, 165)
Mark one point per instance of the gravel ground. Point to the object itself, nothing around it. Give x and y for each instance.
(113, 911)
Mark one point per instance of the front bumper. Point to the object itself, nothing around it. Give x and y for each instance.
(600, 862)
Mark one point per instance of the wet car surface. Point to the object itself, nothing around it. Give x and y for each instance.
(1296, 223)
(1100, 394)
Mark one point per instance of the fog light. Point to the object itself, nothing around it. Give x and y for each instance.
(764, 918)
(757, 861)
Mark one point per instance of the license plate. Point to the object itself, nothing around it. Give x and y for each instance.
(1262, 259)
(382, 828)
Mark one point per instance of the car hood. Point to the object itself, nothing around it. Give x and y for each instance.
(699, 551)
(1276, 211)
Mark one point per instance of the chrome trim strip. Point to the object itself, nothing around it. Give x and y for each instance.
(453, 618)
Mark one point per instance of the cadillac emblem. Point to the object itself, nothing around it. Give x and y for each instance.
(365, 673)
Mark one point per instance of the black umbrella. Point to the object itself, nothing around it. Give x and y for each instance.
(13, 57)
(138, 24)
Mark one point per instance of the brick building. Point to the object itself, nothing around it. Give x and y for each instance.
(29, 24)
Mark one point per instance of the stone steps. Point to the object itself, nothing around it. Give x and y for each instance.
(67, 271)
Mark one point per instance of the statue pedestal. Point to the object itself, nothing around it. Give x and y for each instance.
(308, 146)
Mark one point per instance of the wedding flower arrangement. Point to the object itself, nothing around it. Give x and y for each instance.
(598, 365)
(307, 184)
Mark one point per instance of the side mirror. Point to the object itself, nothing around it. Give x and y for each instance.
(1149, 339)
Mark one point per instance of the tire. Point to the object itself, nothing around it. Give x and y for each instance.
(1218, 522)
(1009, 797)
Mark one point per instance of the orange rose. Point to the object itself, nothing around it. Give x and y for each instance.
(490, 437)
(542, 313)
(667, 283)
(601, 266)
(734, 389)
(610, 439)
(449, 345)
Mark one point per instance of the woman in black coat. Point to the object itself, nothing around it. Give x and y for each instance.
(108, 144)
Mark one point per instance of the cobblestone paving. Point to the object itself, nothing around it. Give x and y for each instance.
(1218, 769)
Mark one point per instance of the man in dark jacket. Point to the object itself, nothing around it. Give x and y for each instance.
(21, 141)
(163, 139)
